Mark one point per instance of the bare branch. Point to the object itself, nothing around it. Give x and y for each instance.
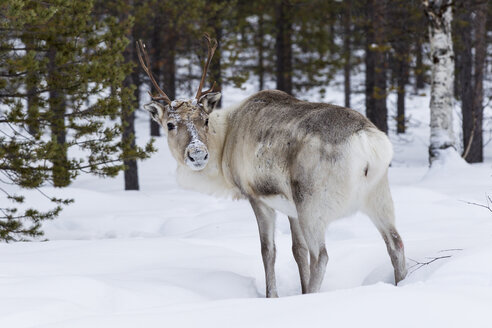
(487, 206)
(420, 264)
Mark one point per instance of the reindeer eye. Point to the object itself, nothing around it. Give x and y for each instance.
(170, 126)
(206, 122)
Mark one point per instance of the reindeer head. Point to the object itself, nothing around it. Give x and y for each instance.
(186, 121)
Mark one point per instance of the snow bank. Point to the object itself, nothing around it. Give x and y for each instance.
(166, 257)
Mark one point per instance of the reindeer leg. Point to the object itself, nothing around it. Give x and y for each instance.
(395, 248)
(380, 209)
(265, 217)
(312, 218)
(300, 251)
(318, 257)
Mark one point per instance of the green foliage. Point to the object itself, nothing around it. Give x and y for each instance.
(252, 31)
(69, 77)
(61, 95)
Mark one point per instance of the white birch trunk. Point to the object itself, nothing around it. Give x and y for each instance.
(442, 141)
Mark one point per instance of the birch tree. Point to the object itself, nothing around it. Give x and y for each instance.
(439, 15)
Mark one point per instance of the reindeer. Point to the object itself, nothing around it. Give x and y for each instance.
(314, 162)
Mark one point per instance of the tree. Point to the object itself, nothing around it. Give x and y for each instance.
(474, 153)
(259, 44)
(376, 49)
(225, 21)
(347, 50)
(420, 24)
(317, 55)
(303, 52)
(283, 45)
(470, 34)
(402, 28)
(67, 106)
(129, 97)
(18, 161)
(439, 15)
(254, 25)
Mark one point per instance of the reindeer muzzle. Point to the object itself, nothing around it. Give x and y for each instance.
(196, 155)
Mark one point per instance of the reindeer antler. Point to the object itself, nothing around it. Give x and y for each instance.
(146, 67)
(212, 45)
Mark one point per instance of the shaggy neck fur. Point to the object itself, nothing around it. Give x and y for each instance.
(211, 179)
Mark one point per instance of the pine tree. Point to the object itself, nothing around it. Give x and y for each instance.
(474, 153)
(420, 70)
(376, 64)
(347, 49)
(291, 42)
(59, 65)
(175, 29)
(225, 21)
(402, 28)
(253, 26)
(284, 13)
(469, 39)
(21, 152)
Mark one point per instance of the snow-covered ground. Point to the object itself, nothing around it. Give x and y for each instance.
(167, 257)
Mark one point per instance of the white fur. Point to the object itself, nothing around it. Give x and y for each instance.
(211, 180)
(354, 178)
(281, 204)
(347, 191)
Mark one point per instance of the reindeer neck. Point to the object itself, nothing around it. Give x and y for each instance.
(211, 179)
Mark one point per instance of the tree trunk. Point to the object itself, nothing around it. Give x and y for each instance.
(439, 14)
(419, 65)
(128, 118)
(135, 75)
(57, 105)
(400, 104)
(462, 44)
(347, 67)
(400, 13)
(169, 67)
(260, 40)
(463, 65)
(376, 109)
(32, 82)
(474, 152)
(128, 121)
(283, 46)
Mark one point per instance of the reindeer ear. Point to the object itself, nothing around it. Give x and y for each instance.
(156, 110)
(210, 100)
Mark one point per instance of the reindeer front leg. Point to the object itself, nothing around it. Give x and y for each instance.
(265, 216)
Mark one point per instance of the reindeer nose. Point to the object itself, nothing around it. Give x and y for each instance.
(197, 157)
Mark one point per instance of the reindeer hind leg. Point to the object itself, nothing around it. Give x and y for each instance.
(300, 251)
(379, 207)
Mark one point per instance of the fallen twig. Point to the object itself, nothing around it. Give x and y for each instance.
(488, 206)
(419, 264)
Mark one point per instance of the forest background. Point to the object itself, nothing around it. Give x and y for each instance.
(70, 82)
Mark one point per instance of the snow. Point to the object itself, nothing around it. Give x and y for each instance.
(168, 257)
